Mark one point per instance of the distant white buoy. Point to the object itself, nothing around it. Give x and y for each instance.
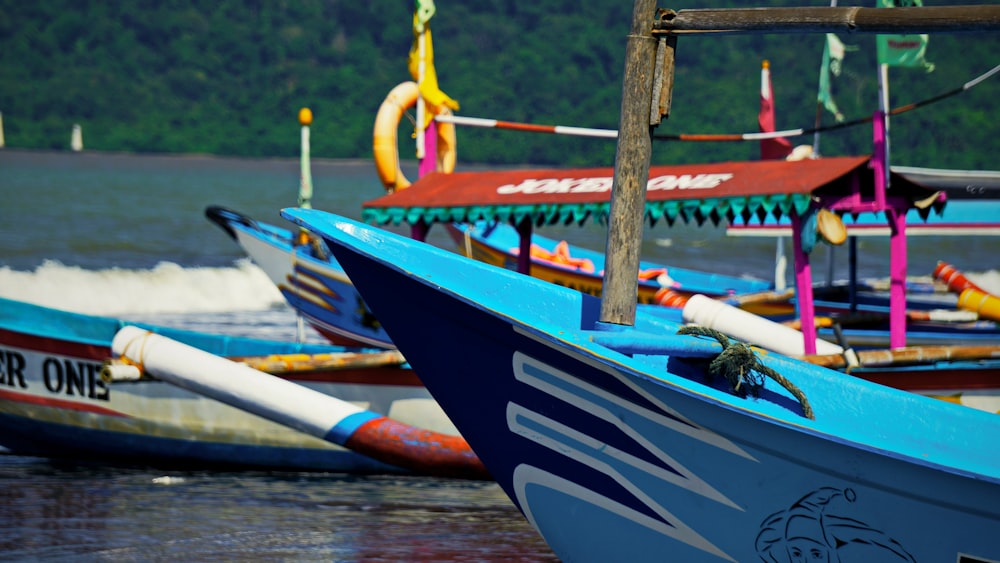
(76, 141)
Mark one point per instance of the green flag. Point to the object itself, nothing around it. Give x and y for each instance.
(902, 50)
(833, 57)
(423, 11)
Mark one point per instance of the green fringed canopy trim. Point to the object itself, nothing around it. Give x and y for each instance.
(716, 211)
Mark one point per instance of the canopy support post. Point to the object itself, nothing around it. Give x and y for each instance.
(897, 277)
(896, 216)
(852, 283)
(419, 230)
(803, 287)
(524, 246)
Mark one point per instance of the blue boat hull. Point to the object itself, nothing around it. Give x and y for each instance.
(616, 446)
(309, 278)
(53, 402)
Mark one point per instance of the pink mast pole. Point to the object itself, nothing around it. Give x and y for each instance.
(428, 164)
(897, 242)
(803, 287)
(897, 278)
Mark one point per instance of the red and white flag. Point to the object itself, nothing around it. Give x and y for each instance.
(770, 149)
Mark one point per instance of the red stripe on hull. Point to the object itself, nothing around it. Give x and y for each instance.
(58, 404)
(49, 345)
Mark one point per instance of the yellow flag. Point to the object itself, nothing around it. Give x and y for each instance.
(428, 83)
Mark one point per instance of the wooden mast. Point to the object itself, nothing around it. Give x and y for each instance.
(632, 159)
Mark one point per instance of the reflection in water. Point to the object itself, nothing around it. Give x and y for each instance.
(71, 511)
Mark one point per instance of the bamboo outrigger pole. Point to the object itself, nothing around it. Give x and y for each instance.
(648, 84)
(847, 19)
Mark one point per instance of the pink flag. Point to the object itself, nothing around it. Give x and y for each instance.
(770, 149)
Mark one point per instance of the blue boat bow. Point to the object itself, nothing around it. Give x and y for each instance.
(620, 445)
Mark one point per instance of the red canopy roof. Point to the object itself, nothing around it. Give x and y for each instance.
(726, 190)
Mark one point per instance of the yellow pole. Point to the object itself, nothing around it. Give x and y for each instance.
(305, 186)
(305, 199)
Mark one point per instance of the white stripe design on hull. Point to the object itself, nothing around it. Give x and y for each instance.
(606, 458)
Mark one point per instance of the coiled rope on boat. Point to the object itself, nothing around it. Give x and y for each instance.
(741, 367)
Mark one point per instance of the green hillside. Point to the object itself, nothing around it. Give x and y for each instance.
(228, 77)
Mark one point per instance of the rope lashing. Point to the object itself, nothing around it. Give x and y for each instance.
(125, 368)
(741, 367)
(140, 360)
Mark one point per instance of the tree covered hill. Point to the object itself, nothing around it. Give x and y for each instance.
(227, 77)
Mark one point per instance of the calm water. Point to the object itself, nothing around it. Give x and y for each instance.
(125, 235)
(71, 512)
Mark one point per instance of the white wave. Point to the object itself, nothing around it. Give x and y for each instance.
(989, 281)
(165, 288)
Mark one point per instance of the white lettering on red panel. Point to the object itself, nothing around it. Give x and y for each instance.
(589, 185)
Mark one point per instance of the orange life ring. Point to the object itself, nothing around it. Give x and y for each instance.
(385, 147)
